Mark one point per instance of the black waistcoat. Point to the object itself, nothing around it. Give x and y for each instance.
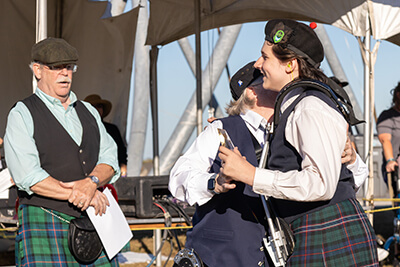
(284, 157)
(59, 155)
(228, 229)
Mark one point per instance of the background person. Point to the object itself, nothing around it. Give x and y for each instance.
(58, 153)
(309, 186)
(104, 106)
(388, 128)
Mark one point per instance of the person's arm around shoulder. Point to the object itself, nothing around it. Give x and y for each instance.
(312, 127)
(359, 170)
(190, 175)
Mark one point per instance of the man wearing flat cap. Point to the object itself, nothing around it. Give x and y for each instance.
(58, 153)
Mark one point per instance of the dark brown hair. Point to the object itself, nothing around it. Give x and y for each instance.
(394, 92)
(305, 69)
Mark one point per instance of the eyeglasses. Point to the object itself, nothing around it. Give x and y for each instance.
(69, 67)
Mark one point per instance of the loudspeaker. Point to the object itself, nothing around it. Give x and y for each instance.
(137, 194)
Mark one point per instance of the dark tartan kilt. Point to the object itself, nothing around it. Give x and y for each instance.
(338, 235)
(42, 240)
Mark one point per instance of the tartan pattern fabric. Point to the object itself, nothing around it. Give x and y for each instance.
(338, 235)
(42, 240)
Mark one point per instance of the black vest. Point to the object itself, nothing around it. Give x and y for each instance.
(59, 155)
(284, 157)
(228, 229)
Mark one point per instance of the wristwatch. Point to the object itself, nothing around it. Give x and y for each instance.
(211, 183)
(94, 179)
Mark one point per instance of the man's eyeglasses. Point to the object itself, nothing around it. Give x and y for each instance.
(69, 67)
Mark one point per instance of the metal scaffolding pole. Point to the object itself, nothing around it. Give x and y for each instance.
(141, 96)
(185, 127)
(191, 60)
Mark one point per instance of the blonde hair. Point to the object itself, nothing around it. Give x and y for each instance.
(241, 105)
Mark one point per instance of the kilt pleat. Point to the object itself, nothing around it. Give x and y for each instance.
(338, 235)
(42, 240)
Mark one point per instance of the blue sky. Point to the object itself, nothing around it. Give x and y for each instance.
(176, 83)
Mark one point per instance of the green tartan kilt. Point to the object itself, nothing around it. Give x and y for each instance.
(338, 235)
(42, 240)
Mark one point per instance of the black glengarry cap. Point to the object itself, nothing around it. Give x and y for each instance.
(296, 36)
(242, 79)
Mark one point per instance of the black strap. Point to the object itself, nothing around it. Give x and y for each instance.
(257, 148)
(338, 96)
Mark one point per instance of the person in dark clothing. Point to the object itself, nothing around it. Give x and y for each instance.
(104, 106)
(388, 128)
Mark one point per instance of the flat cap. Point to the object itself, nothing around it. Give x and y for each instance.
(297, 37)
(242, 79)
(54, 51)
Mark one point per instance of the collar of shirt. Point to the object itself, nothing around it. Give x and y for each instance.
(52, 101)
(253, 122)
(68, 118)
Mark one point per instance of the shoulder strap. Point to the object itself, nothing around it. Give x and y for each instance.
(257, 148)
(341, 101)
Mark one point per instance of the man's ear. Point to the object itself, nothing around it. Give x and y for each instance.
(37, 71)
(250, 92)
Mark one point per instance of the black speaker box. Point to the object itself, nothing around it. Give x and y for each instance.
(137, 194)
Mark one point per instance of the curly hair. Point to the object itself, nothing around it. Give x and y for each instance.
(396, 97)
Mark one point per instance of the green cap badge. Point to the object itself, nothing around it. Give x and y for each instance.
(278, 36)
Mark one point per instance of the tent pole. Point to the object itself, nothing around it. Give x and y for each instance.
(41, 20)
(197, 26)
(154, 107)
(41, 28)
(367, 117)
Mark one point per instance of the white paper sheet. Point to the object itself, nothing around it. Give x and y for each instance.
(112, 227)
(5, 183)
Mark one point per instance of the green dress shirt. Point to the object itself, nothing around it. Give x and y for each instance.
(21, 154)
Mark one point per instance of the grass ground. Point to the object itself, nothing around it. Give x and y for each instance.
(143, 243)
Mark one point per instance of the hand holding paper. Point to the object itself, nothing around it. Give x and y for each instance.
(112, 227)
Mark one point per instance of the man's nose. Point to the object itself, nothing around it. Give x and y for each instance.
(64, 71)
